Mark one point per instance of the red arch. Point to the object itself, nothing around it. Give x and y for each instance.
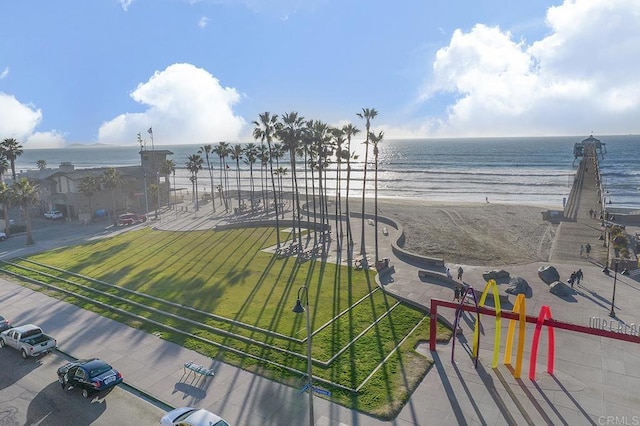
(545, 313)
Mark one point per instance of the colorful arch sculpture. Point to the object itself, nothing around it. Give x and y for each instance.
(545, 313)
(519, 307)
(491, 284)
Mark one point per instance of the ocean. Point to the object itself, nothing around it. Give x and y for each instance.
(535, 171)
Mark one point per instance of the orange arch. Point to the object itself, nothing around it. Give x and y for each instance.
(519, 307)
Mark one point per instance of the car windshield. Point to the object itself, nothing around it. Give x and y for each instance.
(98, 370)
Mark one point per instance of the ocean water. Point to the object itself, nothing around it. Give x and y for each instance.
(535, 171)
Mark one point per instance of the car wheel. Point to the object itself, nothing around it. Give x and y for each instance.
(24, 354)
(1, 343)
(85, 393)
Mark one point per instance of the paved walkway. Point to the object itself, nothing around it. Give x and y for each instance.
(595, 379)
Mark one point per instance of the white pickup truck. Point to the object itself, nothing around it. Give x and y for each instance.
(28, 339)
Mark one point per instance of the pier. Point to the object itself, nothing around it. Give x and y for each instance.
(580, 226)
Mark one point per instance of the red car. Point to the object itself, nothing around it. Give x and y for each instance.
(131, 219)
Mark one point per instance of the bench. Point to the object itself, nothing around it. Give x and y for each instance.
(197, 369)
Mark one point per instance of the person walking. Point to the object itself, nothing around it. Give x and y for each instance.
(449, 274)
(572, 278)
(460, 272)
(456, 293)
(578, 276)
(588, 249)
(581, 249)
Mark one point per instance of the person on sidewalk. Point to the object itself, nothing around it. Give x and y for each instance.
(578, 276)
(449, 274)
(460, 272)
(456, 293)
(588, 249)
(581, 249)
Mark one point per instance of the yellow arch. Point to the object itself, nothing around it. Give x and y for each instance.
(519, 307)
(491, 284)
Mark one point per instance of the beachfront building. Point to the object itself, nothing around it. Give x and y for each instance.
(60, 188)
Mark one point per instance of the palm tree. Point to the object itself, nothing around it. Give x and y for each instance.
(168, 167)
(89, 185)
(251, 153)
(349, 131)
(339, 139)
(41, 164)
(264, 129)
(222, 150)
(206, 149)
(194, 165)
(112, 180)
(236, 154)
(25, 194)
(4, 165)
(375, 140)
(263, 156)
(289, 131)
(5, 199)
(11, 150)
(368, 114)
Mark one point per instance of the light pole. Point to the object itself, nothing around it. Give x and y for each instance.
(615, 278)
(298, 309)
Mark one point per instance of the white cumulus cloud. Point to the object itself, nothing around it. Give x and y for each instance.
(17, 120)
(4, 73)
(581, 76)
(203, 22)
(185, 105)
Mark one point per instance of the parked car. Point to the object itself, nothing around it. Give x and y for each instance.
(189, 416)
(91, 375)
(28, 339)
(54, 214)
(4, 324)
(3, 236)
(131, 219)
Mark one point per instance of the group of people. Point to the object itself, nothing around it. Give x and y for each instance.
(575, 277)
(459, 289)
(585, 248)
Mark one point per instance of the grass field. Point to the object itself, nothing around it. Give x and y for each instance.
(242, 299)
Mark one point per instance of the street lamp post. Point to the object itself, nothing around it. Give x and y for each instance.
(615, 278)
(298, 309)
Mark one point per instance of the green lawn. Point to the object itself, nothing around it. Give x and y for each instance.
(356, 325)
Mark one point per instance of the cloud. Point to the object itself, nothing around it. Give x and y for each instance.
(203, 22)
(185, 105)
(50, 139)
(581, 76)
(17, 120)
(4, 73)
(125, 4)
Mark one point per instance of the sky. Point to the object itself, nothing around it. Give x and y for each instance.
(201, 71)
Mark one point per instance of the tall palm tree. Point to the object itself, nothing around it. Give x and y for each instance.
(289, 131)
(168, 167)
(339, 139)
(251, 153)
(222, 150)
(237, 153)
(375, 140)
(41, 164)
(194, 165)
(264, 129)
(112, 180)
(263, 156)
(206, 149)
(89, 185)
(5, 200)
(11, 149)
(368, 114)
(349, 131)
(25, 194)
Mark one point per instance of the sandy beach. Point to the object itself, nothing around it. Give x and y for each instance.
(472, 233)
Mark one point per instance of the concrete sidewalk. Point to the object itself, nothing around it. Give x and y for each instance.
(593, 377)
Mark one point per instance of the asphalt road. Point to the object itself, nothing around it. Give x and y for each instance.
(31, 395)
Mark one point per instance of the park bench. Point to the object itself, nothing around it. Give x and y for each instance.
(190, 367)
